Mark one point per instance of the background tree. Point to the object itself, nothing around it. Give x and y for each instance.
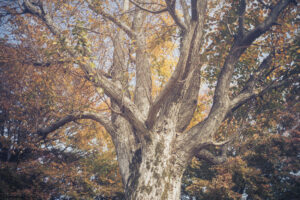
(109, 46)
(262, 161)
(34, 167)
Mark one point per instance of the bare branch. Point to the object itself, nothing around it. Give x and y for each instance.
(191, 77)
(147, 10)
(248, 90)
(98, 117)
(171, 9)
(245, 96)
(116, 21)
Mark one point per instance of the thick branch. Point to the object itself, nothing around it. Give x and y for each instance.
(185, 80)
(126, 141)
(191, 86)
(185, 54)
(98, 117)
(189, 100)
(143, 86)
(266, 25)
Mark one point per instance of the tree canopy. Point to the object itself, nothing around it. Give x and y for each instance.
(205, 90)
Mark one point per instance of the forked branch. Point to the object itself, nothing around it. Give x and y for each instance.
(185, 71)
(187, 44)
(241, 43)
(222, 104)
(130, 111)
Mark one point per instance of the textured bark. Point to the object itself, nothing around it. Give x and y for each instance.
(143, 88)
(152, 144)
(154, 174)
(124, 140)
(157, 169)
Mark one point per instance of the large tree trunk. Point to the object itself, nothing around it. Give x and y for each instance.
(155, 171)
(154, 181)
(157, 166)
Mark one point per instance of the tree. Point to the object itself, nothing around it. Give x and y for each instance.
(151, 134)
(33, 167)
